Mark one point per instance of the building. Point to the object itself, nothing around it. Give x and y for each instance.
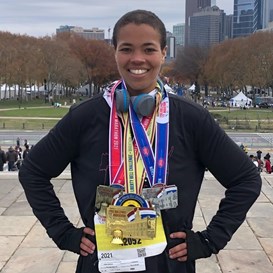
(171, 46)
(267, 13)
(247, 17)
(207, 27)
(89, 34)
(179, 34)
(193, 6)
(228, 19)
(65, 28)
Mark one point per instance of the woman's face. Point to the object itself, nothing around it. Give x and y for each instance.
(139, 57)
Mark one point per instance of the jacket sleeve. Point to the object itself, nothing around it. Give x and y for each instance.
(236, 172)
(46, 160)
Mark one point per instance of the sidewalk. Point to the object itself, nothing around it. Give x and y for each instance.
(25, 247)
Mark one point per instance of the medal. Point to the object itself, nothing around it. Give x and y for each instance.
(162, 197)
(128, 221)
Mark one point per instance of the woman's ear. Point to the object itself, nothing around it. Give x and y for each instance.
(164, 54)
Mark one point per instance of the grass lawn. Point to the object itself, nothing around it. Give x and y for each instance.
(250, 114)
(249, 119)
(27, 112)
(49, 112)
(27, 124)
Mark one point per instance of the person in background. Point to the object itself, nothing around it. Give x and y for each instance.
(26, 142)
(3, 159)
(12, 157)
(18, 141)
(267, 163)
(118, 126)
(18, 163)
(26, 151)
(259, 154)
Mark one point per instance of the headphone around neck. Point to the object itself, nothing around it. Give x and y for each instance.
(143, 104)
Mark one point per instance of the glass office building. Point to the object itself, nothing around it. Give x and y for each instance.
(267, 13)
(247, 17)
(193, 6)
(207, 27)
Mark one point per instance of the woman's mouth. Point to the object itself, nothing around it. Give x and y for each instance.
(138, 71)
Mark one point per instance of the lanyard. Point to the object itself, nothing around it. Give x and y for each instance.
(130, 172)
(133, 166)
(155, 165)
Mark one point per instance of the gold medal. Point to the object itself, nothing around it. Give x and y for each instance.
(130, 222)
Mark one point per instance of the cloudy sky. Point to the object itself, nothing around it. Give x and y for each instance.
(40, 18)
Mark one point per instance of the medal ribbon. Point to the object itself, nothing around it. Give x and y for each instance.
(155, 166)
(116, 164)
(133, 166)
(115, 141)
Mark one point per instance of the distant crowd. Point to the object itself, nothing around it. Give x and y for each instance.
(13, 157)
(263, 163)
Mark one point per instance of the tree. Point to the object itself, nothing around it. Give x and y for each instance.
(189, 65)
(97, 57)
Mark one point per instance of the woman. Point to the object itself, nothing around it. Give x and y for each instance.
(98, 131)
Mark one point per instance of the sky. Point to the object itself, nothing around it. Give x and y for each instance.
(41, 18)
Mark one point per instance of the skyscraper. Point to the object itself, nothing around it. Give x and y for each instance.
(207, 27)
(247, 17)
(193, 6)
(179, 34)
(267, 12)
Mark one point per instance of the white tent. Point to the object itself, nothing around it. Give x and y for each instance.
(169, 89)
(192, 88)
(240, 100)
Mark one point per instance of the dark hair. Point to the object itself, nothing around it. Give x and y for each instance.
(139, 17)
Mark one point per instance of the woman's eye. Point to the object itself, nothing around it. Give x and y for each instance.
(150, 50)
(125, 49)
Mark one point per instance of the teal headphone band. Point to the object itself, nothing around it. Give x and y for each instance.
(122, 100)
(143, 104)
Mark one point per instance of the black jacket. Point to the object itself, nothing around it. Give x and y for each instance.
(195, 142)
(3, 158)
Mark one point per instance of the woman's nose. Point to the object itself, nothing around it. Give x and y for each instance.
(137, 56)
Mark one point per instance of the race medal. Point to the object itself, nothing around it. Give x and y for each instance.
(130, 231)
(106, 194)
(131, 248)
(162, 197)
(128, 222)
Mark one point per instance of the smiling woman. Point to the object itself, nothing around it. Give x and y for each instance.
(154, 161)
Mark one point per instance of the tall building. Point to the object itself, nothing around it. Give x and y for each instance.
(193, 6)
(267, 13)
(207, 27)
(228, 26)
(89, 34)
(247, 17)
(171, 46)
(179, 34)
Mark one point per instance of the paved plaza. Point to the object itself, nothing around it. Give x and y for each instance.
(25, 247)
